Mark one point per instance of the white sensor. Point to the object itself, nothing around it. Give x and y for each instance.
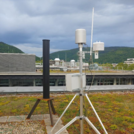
(80, 36)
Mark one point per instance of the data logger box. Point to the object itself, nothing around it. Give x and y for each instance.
(73, 82)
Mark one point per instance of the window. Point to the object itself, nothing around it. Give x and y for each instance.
(21, 82)
(38, 82)
(4, 82)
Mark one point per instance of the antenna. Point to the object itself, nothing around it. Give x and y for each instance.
(91, 36)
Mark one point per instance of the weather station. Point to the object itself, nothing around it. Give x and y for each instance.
(77, 81)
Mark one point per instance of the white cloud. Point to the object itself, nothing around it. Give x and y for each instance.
(31, 49)
(25, 23)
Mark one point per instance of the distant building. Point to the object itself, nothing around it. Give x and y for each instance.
(86, 65)
(16, 62)
(72, 63)
(59, 79)
(129, 61)
(94, 67)
(57, 61)
(114, 64)
(51, 62)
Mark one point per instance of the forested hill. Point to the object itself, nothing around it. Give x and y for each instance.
(109, 55)
(5, 48)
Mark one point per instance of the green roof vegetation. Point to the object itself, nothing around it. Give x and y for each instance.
(116, 110)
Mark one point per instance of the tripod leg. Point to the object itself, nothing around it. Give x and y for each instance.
(68, 124)
(53, 109)
(50, 112)
(63, 112)
(91, 125)
(96, 114)
(32, 110)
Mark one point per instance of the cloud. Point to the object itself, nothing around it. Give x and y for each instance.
(31, 49)
(30, 21)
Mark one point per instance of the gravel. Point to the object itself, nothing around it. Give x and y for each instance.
(25, 127)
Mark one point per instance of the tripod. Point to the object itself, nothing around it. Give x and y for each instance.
(81, 117)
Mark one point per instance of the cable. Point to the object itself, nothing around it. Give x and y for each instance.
(90, 72)
(84, 105)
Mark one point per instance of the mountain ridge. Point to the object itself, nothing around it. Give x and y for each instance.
(6, 48)
(112, 54)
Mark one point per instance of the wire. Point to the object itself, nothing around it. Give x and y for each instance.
(84, 106)
(90, 72)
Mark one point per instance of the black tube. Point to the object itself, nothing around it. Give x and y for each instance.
(46, 69)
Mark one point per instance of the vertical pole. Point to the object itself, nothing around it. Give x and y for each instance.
(81, 91)
(46, 69)
(114, 81)
(91, 36)
(34, 83)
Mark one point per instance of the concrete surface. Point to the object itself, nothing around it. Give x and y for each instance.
(36, 117)
(45, 117)
(3, 119)
(5, 90)
(124, 72)
(16, 118)
(58, 127)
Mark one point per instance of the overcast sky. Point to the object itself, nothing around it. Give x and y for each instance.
(25, 23)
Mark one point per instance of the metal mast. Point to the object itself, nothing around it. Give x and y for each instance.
(91, 47)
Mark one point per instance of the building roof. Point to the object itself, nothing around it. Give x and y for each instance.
(57, 59)
(38, 73)
(63, 89)
(16, 54)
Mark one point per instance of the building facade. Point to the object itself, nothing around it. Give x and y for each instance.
(14, 62)
(129, 61)
(36, 79)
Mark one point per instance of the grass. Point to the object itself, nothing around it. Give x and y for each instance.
(84, 71)
(115, 110)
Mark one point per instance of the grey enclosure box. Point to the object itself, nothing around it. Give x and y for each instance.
(73, 81)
